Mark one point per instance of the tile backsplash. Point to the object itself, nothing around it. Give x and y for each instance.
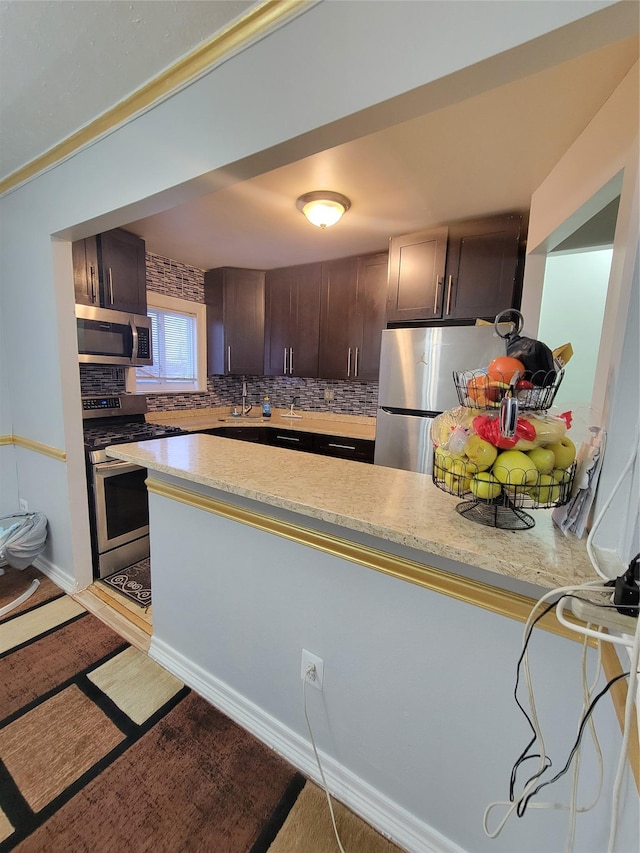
(175, 279)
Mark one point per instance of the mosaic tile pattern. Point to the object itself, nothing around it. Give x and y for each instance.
(101, 379)
(172, 278)
(185, 282)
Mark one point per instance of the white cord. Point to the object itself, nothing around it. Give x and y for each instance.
(310, 669)
(533, 781)
(588, 632)
(606, 506)
(622, 758)
(587, 693)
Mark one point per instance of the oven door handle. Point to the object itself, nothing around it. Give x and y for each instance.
(117, 467)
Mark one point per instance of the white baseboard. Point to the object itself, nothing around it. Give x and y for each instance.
(393, 821)
(60, 578)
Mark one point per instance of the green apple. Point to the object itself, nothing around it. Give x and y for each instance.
(463, 467)
(564, 451)
(546, 490)
(485, 486)
(481, 452)
(445, 458)
(560, 476)
(457, 485)
(543, 458)
(514, 468)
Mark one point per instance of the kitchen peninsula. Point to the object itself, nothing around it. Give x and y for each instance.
(400, 508)
(258, 553)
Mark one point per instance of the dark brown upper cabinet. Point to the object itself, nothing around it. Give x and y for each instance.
(416, 275)
(467, 270)
(109, 270)
(483, 272)
(292, 310)
(352, 317)
(235, 321)
(86, 280)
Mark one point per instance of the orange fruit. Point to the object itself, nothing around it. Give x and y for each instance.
(503, 368)
(483, 390)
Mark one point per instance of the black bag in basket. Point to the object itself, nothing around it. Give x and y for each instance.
(536, 356)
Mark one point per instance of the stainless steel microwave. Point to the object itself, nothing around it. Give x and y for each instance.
(113, 337)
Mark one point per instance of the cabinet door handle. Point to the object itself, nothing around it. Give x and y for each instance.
(449, 289)
(355, 363)
(110, 286)
(349, 362)
(341, 446)
(92, 276)
(435, 295)
(290, 359)
(287, 438)
(284, 366)
(229, 359)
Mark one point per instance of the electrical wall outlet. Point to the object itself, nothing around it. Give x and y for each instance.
(328, 395)
(24, 505)
(316, 678)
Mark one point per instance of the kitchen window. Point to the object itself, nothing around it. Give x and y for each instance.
(178, 336)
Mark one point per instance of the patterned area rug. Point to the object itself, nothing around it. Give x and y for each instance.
(134, 582)
(102, 749)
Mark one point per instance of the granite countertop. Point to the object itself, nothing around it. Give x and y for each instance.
(397, 506)
(324, 423)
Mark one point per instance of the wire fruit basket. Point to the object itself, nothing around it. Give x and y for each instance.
(503, 505)
(476, 389)
(500, 451)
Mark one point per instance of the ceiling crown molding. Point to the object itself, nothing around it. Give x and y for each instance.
(256, 23)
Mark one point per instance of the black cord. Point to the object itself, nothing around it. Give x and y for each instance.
(522, 806)
(524, 755)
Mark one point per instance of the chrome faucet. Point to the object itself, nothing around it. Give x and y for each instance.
(246, 407)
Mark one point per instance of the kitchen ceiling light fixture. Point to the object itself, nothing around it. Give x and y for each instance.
(323, 208)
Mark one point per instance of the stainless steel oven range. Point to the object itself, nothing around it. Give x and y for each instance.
(118, 501)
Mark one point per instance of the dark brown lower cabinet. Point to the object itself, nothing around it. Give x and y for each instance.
(357, 449)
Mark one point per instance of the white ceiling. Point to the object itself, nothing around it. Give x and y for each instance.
(63, 63)
(482, 155)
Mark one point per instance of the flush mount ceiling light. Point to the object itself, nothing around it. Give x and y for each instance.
(323, 208)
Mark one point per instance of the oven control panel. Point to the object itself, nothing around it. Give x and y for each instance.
(102, 403)
(114, 405)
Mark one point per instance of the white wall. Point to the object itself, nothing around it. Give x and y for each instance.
(601, 164)
(572, 310)
(416, 722)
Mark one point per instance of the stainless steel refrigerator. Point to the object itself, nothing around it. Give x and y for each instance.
(416, 384)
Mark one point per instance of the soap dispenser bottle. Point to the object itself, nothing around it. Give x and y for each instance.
(266, 408)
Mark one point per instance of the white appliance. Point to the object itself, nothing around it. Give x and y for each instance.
(416, 384)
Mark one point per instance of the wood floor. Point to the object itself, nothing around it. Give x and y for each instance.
(131, 622)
